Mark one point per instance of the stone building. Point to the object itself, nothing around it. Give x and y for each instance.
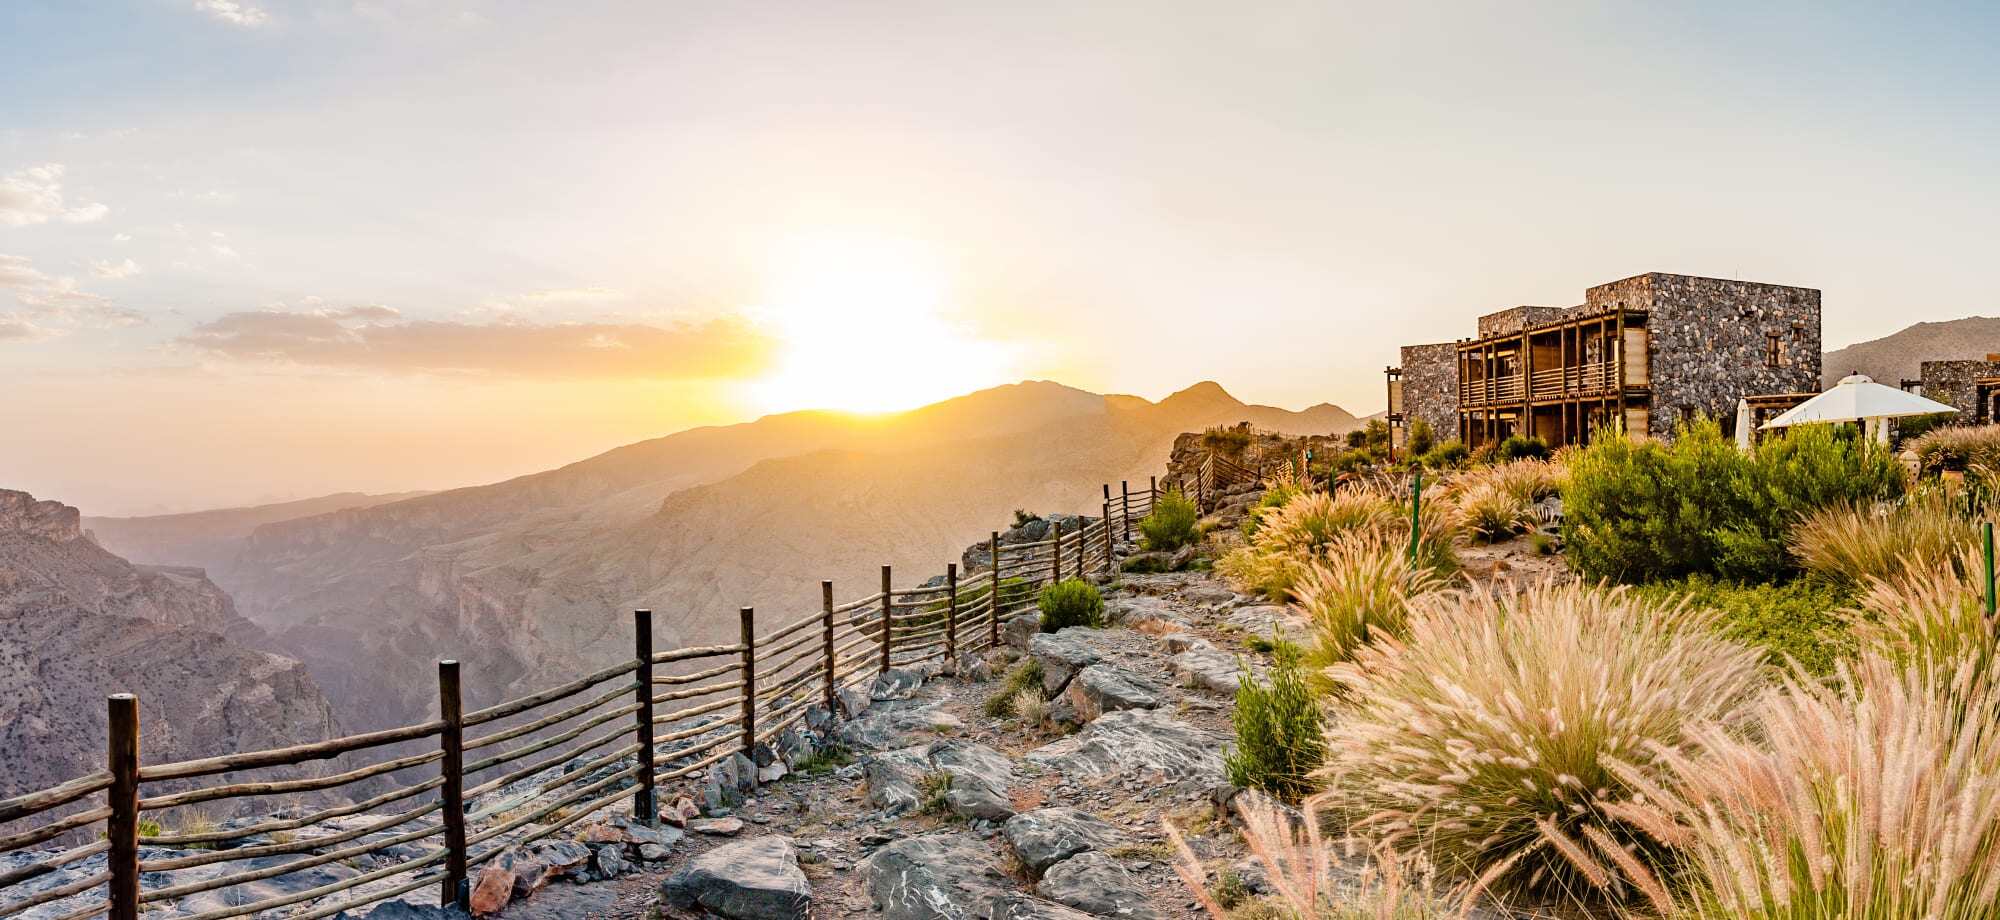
(1644, 352)
(1971, 387)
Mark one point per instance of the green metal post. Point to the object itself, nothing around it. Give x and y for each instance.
(1416, 510)
(1990, 599)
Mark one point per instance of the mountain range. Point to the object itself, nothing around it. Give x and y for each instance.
(1894, 358)
(529, 581)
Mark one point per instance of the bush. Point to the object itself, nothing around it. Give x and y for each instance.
(1297, 533)
(1071, 602)
(1449, 455)
(1229, 441)
(1278, 732)
(1276, 495)
(1851, 543)
(1802, 620)
(1421, 439)
(1360, 590)
(1875, 797)
(1519, 447)
(1171, 523)
(1485, 738)
(1642, 511)
(1958, 448)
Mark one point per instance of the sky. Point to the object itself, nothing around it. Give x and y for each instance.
(254, 250)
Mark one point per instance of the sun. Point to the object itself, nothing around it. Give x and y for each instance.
(864, 325)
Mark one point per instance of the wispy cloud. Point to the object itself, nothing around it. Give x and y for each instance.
(236, 14)
(104, 268)
(35, 196)
(374, 337)
(53, 306)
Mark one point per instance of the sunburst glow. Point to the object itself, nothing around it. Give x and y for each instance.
(867, 325)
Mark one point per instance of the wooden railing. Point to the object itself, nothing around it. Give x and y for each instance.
(657, 718)
(1595, 378)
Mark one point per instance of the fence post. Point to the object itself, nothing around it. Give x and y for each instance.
(993, 622)
(1055, 564)
(951, 611)
(1416, 510)
(645, 802)
(451, 709)
(748, 615)
(1125, 507)
(1152, 491)
(1107, 529)
(832, 672)
(122, 829)
(887, 623)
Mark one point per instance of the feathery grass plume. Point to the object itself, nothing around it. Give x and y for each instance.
(1931, 617)
(1278, 493)
(1485, 734)
(1959, 447)
(1311, 878)
(1171, 524)
(1280, 737)
(1877, 796)
(1292, 535)
(1490, 512)
(1360, 588)
(1853, 542)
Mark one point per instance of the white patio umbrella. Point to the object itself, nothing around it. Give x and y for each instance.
(1858, 398)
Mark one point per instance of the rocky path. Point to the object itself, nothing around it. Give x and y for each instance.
(932, 808)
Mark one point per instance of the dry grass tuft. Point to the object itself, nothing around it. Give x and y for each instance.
(1851, 544)
(1486, 735)
(1931, 617)
(1294, 535)
(1496, 502)
(1360, 588)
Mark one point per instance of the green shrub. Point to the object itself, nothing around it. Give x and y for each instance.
(1802, 620)
(1487, 738)
(1519, 447)
(1025, 676)
(1171, 524)
(1071, 602)
(1421, 438)
(1643, 510)
(934, 794)
(1275, 496)
(1449, 455)
(824, 760)
(1280, 737)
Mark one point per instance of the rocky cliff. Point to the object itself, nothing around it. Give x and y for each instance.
(78, 623)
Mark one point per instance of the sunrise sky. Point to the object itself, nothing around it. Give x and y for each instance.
(264, 249)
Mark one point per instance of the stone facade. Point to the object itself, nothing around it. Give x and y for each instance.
(1950, 382)
(1710, 340)
(1430, 387)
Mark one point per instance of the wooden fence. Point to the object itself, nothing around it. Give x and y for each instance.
(656, 718)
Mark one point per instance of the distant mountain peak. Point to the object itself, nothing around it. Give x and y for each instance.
(1901, 354)
(1203, 393)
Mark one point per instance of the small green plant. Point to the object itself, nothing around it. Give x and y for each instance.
(934, 794)
(1274, 644)
(1448, 455)
(1541, 543)
(1171, 524)
(1800, 620)
(1071, 602)
(1229, 891)
(824, 760)
(1518, 447)
(1025, 676)
(1421, 440)
(1279, 733)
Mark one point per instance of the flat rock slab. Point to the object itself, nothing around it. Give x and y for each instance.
(1023, 907)
(895, 684)
(1102, 688)
(1209, 668)
(1046, 836)
(755, 879)
(899, 724)
(1064, 653)
(949, 876)
(1141, 743)
(980, 777)
(1095, 883)
(1127, 611)
(1264, 619)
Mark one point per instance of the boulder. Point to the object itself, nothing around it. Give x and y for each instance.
(1046, 836)
(949, 876)
(1095, 883)
(529, 872)
(1208, 594)
(608, 860)
(1140, 743)
(679, 812)
(492, 888)
(755, 879)
(1209, 668)
(851, 701)
(563, 857)
(899, 724)
(891, 778)
(1021, 629)
(895, 684)
(1062, 654)
(1178, 642)
(717, 827)
(1101, 688)
(979, 775)
(1140, 608)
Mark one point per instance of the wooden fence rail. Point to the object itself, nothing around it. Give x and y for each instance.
(659, 717)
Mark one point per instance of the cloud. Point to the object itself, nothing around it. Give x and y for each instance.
(375, 337)
(234, 13)
(54, 306)
(35, 196)
(107, 269)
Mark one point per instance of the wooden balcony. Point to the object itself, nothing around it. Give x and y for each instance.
(1581, 381)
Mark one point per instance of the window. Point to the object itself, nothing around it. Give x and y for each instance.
(1774, 350)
